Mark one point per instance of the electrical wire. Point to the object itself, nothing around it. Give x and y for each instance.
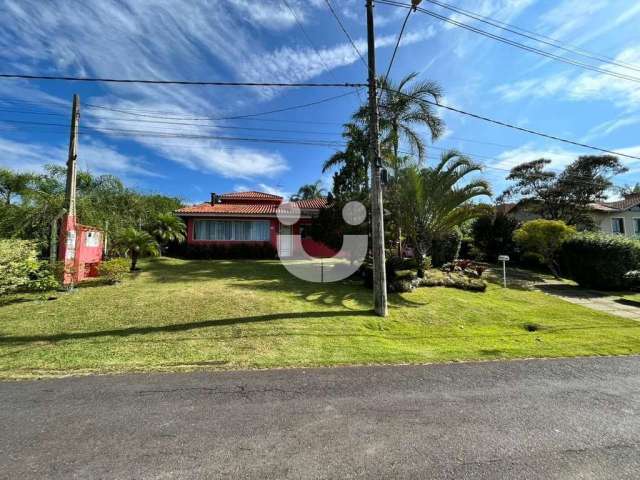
(535, 36)
(346, 32)
(514, 43)
(515, 127)
(178, 82)
(395, 49)
(310, 41)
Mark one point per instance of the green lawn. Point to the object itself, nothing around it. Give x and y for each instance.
(179, 315)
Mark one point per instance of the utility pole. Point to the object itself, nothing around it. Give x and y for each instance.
(377, 209)
(68, 234)
(70, 198)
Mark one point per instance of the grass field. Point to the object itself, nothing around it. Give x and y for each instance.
(178, 315)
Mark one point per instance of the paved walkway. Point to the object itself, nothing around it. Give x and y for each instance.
(593, 299)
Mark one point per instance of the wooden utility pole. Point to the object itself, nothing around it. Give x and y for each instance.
(68, 235)
(70, 198)
(377, 209)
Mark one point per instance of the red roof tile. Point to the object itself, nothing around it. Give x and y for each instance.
(312, 203)
(249, 196)
(250, 208)
(628, 202)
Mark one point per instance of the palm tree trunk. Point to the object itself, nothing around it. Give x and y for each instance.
(134, 260)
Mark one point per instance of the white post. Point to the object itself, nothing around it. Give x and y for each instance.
(504, 259)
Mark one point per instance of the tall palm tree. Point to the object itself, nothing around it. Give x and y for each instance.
(403, 107)
(433, 201)
(309, 191)
(137, 243)
(168, 228)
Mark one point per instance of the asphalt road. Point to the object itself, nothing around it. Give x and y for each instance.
(551, 419)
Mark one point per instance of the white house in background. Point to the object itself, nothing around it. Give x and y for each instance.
(621, 217)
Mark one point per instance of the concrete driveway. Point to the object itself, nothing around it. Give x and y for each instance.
(551, 419)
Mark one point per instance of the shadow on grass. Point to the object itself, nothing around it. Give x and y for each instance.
(571, 291)
(268, 276)
(181, 327)
(626, 301)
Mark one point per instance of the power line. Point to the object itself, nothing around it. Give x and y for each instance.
(233, 117)
(395, 49)
(179, 82)
(312, 43)
(346, 32)
(516, 44)
(515, 127)
(534, 36)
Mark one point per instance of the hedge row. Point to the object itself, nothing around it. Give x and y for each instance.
(600, 261)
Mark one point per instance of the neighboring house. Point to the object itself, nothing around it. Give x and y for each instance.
(621, 217)
(250, 218)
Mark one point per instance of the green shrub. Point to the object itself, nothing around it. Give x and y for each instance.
(114, 270)
(542, 239)
(44, 278)
(18, 264)
(596, 260)
(493, 236)
(445, 248)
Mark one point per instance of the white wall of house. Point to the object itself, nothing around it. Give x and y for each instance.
(629, 219)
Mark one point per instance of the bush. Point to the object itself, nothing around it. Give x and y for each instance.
(542, 239)
(114, 270)
(18, 264)
(633, 279)
(445, 248)
(597, 260)
(493, 236)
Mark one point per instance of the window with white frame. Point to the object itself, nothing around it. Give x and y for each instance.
(617, 225)
(232, 230)
(636, 226)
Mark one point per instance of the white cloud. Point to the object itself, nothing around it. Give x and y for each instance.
(559, 157)
(263, 187)
(98, 157)
(595, 86)
(610, 126)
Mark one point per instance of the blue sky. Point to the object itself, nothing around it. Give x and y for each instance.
(250, 41)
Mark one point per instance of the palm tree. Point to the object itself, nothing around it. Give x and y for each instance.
(433, 201)
(137, 243)
(403, 106)
(309, 191)
(353, 175)
(167, 228)
(13, 183)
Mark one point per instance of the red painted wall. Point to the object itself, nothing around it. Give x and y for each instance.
(312, 247)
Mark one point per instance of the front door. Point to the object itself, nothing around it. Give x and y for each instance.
(284, 240)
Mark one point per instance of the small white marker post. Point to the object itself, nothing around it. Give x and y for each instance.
(504, 259)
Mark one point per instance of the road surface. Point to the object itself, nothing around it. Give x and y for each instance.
(551, 419)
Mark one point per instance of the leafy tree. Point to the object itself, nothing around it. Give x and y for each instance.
(432, 201)
(12, 183)
(542, 239)
(565, 196)
(352, 177)
(167, 228)
(136, 244)
(102, 200)
(631, 190)
(493, 235)
(309, 191)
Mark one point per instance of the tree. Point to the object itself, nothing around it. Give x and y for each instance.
(631, 190)
(167, 228)
(352, 177)
(493, 235)
(136, 243)
(12, 183)
(432, 201)
(542, 240)
(565, 196)
(309, 191)
(404, 106)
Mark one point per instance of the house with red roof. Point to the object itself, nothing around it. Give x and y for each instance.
(251, 218)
